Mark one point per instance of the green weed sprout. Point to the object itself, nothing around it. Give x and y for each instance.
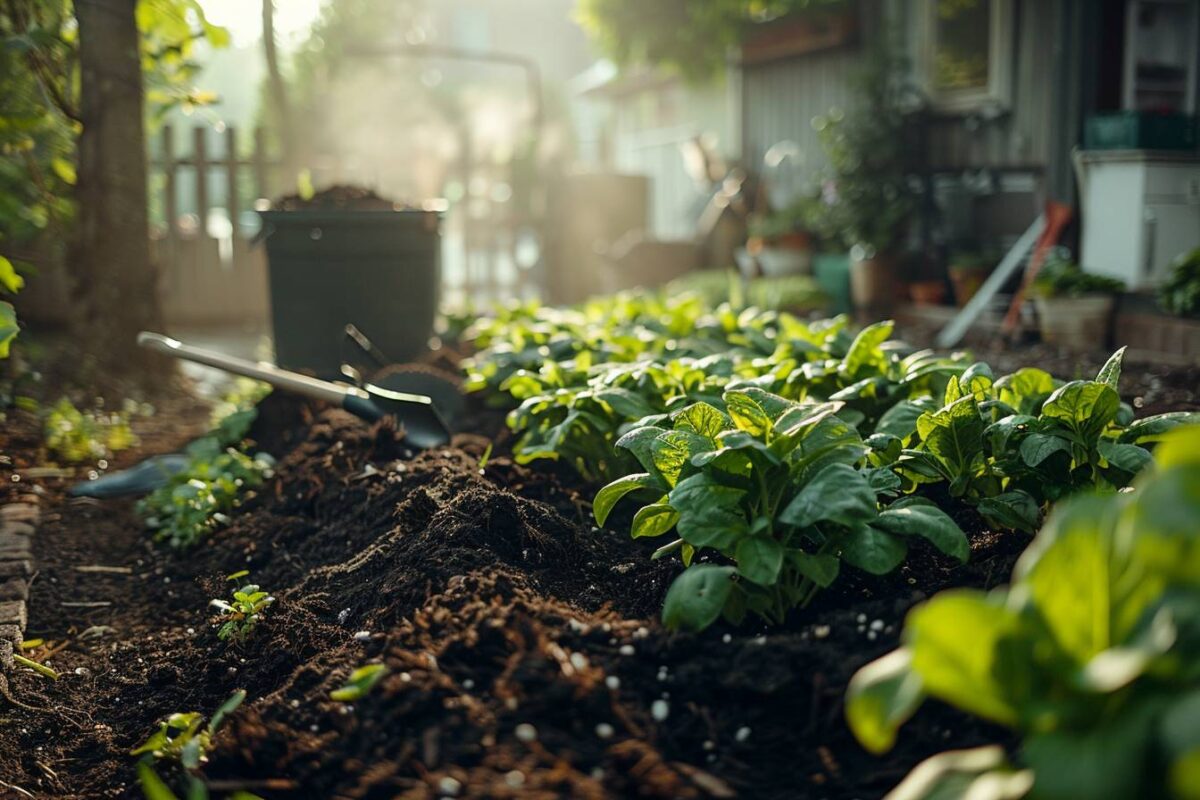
(360, 683)
(241, 615)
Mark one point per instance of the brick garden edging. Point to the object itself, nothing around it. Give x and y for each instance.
(18, 521)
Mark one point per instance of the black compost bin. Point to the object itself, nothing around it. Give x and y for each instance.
(378, 269)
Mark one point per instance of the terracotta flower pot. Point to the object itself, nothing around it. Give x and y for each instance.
(873, 286)
(966, 282)
(927, 293)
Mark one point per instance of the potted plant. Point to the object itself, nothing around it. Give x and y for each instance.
(866, 201)
(1180, 294)
(780, 243)
(1074, 307)
(968, 269)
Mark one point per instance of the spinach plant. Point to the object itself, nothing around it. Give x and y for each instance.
(1092, 654)
(778, 492)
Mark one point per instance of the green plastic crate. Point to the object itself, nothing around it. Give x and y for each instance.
(1139, 130)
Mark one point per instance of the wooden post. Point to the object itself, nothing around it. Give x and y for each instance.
(170, 195)
(231, 200)
(261, 186)
(200, 162)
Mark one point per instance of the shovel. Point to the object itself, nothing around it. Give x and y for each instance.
(422, 424)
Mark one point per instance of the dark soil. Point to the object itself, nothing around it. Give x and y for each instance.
(336, 198)
(525, 657)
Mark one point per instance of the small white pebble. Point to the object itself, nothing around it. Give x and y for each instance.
(604, 730)
(449, 786)
(579, 661)
(626, 650)
(515, 779)
(861, 618)
(821, 631)
(876, 624)
(709, 744)
(405, 677)
(362, 636)
(760, 640)
(468, 684)
(660, 709)
(743, 733)
(511, 704)
(612, 682)
(313, 728)
(727, 638)
(295, 704)
(191, 631)
(526, 733)
(641, 633)
(872, 635)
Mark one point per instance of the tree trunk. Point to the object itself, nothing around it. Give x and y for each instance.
(116, 288)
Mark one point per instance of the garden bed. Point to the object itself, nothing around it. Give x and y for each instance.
(524, 647)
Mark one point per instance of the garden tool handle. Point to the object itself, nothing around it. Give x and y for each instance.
(261, 370)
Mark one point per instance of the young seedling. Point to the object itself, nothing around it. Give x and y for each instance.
(184, 740)
(240, 616)
(360, 683)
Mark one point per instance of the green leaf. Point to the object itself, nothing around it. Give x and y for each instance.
(1129, 457)
(710, 515)
(864, 350)
(607, 497)
(837, 493)
(873, 550)
(821, 569)
(774, 405)
(673, 451)
(1016, 510)
(153, 787)
(697, 596)
(653, 520)
(1107, 760)
(1037, 447)
(1084, 406)
(748, 415)
(901, 419)
(702, 419)
(10, 281)
(228, 707)
(64, 169)
(915, 518)
(8, 327)
(1110, 373)
(979, 774)
(957, 668)
(881, 697)
(640, 442)
(1156, 428)
(759, 559)
(1026, 389)
(954, 435)
(625, 402)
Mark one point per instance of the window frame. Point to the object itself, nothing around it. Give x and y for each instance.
(998, 92)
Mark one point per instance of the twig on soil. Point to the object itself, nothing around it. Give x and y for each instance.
(105, 570)
(7, 695)
(94, 604)
(16, 789)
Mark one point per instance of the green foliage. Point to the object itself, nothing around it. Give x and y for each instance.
(686, 37)
(215, 481)
(238, 617)
(1180, 294)
(75, 436)
(780, 489)
(1091, 655)
(1062, 277)
(1012, 444)
(182, 741)
(866, 201)
(360, 683)
(10, 283)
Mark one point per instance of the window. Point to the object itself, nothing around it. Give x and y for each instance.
(965, 53)
(1160, 55)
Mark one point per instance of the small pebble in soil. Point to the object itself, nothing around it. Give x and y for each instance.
(821, 631)
(449, 786)
(314, 728)
(343, 615)
(612, 682)
(641, 633)
(598, 774)
(295, 704)
(626, 650)
(876, 625)
(604, 730)
(82, 671)
(579, 661)
(468, 684)
(191, 631)
(526, 733)
(743, 733)
(660, 709)
(511, 704)
(860, 619)
(708, 744)
(727, 638)
(232, 670)
(515, 779)
(362, 636)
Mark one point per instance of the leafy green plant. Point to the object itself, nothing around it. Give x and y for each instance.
(1180, 294)
(1092, 654)
(10, 283)
(777, 491)
(1062, 277)
(215, 481)
(183, 741)
(1010, 445)
(74, 436)
(360, 683)
(238, 617)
